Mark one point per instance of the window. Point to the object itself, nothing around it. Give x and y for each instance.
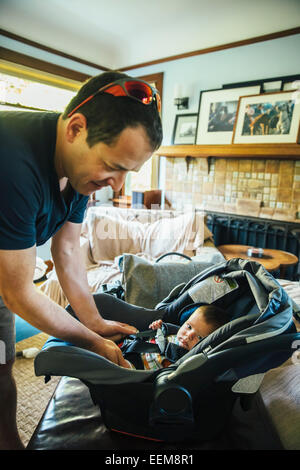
(21, 93)
(141, 181)
(21, 88)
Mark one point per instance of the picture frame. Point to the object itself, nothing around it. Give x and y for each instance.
(267, 84)
(217, 114)
(185, 127)
(268, 119)
(293, 85)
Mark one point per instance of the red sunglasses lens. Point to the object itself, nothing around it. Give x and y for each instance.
(115, 90)
(140, 91)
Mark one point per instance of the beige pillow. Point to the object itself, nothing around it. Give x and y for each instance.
(184, 234)
(111, 234)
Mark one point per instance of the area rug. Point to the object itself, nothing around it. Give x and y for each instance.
(33, 394)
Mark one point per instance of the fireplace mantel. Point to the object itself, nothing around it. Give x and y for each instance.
(263, 151)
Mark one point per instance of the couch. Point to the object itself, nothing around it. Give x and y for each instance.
(109, 232)
(124, 244)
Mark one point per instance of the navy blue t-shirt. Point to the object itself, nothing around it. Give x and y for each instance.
(32, 208)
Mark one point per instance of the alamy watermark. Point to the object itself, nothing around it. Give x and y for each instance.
(2, 352)
(149, 226)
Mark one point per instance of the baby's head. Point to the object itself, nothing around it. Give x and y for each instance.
(203, 321)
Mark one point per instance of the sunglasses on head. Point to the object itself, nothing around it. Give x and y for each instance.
(133, 88)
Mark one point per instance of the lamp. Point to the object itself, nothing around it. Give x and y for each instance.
(181, 101)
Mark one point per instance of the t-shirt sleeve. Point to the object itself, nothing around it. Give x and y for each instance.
(78, 212)
(19, 203)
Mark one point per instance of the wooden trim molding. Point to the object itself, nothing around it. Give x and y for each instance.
(16, 37)
(221, 47)
(265, 37)
(37, 64)
(263, 151)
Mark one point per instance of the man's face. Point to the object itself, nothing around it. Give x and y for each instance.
(91, 168)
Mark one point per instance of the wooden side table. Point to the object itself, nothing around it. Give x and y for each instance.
(271, 259)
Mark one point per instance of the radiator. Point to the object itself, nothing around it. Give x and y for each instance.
(263, 233)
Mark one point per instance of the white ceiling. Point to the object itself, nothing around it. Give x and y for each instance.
(121, 33)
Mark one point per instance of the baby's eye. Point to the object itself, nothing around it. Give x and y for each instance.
(199, 337)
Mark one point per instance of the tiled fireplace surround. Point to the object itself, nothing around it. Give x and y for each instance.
(265, 188)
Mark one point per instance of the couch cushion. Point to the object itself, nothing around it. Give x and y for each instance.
(117, 231)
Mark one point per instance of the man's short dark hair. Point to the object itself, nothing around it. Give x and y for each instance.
(107, 116)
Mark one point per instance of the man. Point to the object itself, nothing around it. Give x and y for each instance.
(49, 166)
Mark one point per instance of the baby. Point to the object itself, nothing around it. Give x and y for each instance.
(203, 321)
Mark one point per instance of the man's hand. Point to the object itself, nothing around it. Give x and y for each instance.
(113, 330)
(112, 352)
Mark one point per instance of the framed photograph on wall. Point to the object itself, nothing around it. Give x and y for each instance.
(184, 131)
(294, 85)
(217, 114)
(267, 84)
(267, 119)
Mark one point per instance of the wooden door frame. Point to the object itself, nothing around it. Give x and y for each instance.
(157, 80)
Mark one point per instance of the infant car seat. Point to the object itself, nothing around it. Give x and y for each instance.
(194, 397)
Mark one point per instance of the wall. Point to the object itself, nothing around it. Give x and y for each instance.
(262, 188)
(267, 59)
(270, 187)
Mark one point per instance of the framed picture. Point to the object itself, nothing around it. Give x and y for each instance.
(294, 85)
(267, 119)
(217, 113)
(267, 84)
(185, 129)
(272, 86)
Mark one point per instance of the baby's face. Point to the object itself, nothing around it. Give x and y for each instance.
(193, 330)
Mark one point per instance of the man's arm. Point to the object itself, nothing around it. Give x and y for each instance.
(23, 298)
(71, 272)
